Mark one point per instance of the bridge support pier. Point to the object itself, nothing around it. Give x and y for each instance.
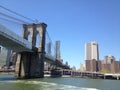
(30, 65)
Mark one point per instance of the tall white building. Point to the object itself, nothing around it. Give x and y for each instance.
(91, 51)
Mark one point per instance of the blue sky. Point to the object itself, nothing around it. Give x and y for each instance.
(74, 23)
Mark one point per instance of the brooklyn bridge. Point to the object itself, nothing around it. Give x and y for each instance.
(30, 58)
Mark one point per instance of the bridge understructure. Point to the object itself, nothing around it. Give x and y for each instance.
(31, 64)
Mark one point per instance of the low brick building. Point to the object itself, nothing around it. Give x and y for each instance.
(98, 66)
(115, 67)
(106, 67)
(93, 65)
(88, 65)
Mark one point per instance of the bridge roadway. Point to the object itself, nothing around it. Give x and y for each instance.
(14, 42)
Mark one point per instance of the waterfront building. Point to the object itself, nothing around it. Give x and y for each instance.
(106, 68)
(91, 51)
(109, 64)
(115, 67)
(91, 65)
(108, 59)
(92, 57)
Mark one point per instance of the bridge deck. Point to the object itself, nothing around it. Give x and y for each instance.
(14, 42)
(11, 40)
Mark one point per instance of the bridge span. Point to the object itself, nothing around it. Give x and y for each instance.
(30, 59)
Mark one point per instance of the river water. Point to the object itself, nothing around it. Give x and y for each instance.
(8, 82)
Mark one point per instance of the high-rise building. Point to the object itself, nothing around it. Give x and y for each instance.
(91, 51)
(57, 50)
(92, 57)
(8, 57)
(4, 56)
(49, 48)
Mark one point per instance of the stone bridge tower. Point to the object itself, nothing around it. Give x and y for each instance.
(31, 64)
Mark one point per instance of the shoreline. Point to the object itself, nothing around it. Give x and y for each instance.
(104, 77)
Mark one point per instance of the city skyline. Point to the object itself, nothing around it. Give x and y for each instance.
(74, 23)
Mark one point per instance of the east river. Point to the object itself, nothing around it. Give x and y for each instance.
(8, 82)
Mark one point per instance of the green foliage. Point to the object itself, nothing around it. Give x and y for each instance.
(105, 71)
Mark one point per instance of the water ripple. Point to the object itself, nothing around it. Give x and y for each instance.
(48, 85)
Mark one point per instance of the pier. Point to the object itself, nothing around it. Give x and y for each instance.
(93, 75)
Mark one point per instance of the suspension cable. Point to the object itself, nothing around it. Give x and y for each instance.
(5, 15)
(17, 13)
(49, 37)
(10, 21)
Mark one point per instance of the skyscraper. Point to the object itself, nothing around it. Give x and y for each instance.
(92, 57)
(4, 56)
(8, 57)
(57, 50)
(49, 48)
(91, 51)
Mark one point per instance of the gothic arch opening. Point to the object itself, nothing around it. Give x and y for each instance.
(29, 37)
(37, 40)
